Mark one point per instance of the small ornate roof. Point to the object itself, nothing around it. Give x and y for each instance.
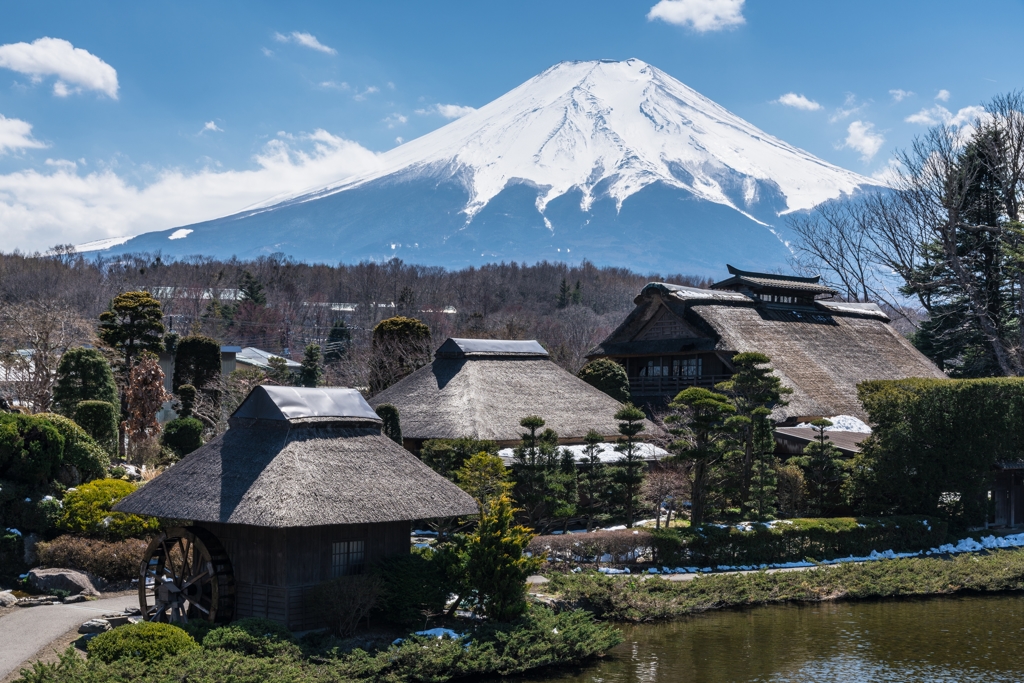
(770, 281)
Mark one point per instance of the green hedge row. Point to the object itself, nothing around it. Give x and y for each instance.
(796, 540)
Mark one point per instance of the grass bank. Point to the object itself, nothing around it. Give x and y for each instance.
(540, 639)
(639, 598)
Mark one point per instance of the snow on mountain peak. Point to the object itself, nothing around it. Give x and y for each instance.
(611, 128)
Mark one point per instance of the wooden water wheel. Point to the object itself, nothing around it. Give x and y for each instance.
(184, 575)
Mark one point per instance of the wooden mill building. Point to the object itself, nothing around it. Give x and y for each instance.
(482, 388)
(678, 337)
(302, 488)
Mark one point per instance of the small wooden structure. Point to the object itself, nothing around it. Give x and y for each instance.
(482, 388)
(302, 488)
(678, 337)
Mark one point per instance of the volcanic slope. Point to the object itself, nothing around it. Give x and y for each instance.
(613, 161)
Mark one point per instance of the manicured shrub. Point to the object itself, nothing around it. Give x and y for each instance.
(31, 449)
(80, 450)
(87, 511)
(83, 375)
(409, 586)
(607, 376)
(112, 560)
(182, 435)
(254, 637)
(146, 641)
(624, 546)
(99, 420)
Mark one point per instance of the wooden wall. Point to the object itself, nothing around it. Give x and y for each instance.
(276, 569)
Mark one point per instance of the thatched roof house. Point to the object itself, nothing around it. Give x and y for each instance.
(301, 488)
(482, 388)
(682, 336)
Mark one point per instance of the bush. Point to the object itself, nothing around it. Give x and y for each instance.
(409, 586)
(196, 362)
(31, 449)
(795, 540)
(254, 637)
(99, 420)
(343, 602)
(182, 435)
(83, 375)
(447, 456)
(147, 641)
(608, 376)
(87, 511)
(80, 450)
(114, 561)
(625, 546)
(391, 426)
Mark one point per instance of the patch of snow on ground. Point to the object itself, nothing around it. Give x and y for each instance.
(606, 452)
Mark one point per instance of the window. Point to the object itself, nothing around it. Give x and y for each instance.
(347, 558)
(686, 367)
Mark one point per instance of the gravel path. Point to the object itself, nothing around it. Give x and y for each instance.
(25, 631)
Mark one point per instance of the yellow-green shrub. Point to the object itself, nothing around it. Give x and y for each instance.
(146, 641)
(87, 511)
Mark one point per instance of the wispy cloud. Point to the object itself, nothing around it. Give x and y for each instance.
(211, 127)
(943, 96)
(396, 119)
(16, 134)
(791, 99)
(39, 210)
(335, 85)
(933, 116)
(849, 108)
(448, 111)
(861, 137)
(76, 69)
(359, 97)
(305, 40)
(700, 15)
(900, 95)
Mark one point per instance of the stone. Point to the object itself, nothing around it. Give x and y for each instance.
(37, 600)
(74, 598)
(68, 580)
(7, 599)
(94, 626)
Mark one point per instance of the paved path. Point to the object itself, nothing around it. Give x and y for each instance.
(27, 630)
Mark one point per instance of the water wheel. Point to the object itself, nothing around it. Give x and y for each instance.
(184, 575)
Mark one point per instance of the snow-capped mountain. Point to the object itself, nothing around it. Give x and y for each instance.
(616, 162)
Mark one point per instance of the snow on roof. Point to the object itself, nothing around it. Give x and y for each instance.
(261, 359)
(490, 347)
(290, 403)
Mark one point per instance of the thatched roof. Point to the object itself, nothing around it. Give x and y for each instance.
(820, 349)
(483, 394)
(771, 281)
(300, 457)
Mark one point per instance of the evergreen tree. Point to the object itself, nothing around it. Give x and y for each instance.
(311, 372)
(251, 289)
(83, 375)
(496, 565)
(447, 456)
(608, 376)
(197, 362)
(629, 472)
(564, 295)
(132, 325)
(338, 341)
(824, 472)
(483, 476)
(187, 396)
(391, 427)
(529, 471)
(763, 489)
(593, 478)
(278, 372)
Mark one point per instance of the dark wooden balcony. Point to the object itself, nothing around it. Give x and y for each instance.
(670, 386)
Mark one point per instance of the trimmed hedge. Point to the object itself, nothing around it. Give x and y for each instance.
(254, 637)
(87, 510)
(796, 540)
(182, 435)
(99, 420)
(146, 641)
(80, 450)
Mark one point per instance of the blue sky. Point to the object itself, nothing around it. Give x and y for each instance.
(142, 116)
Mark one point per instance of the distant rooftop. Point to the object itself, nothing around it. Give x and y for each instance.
(261, 359)
(462, 348)
(771, 282)
(292, 403)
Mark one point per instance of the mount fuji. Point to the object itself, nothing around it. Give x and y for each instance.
(611, 161)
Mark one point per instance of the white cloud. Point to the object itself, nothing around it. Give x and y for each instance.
(700, 15)
(849, 108)
(449, 111)
(359, 97)
(75, 68)
(335, 85)
(16, 134)
(943, 95)
(900, 95)
(62, 206)
(860, 136)
(211, 127)
(396, 119)
(888, 174)
(267, 51)
(933, 116)
(399, 140)
(305, 40)
(791, 99)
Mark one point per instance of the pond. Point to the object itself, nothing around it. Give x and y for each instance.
(956, 639)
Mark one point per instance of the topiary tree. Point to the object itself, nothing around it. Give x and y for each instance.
(81, 452)
(496, 566)
(391, 427)
(146, 641)
(608, 376)
(182, 435)
(83, 375)
(311, 372)
(196, 362)
(31, 449)
(824, 472)
(132, 325)
(629, 473)
(87, 511)
(400, 346)
(99, 420)
(187, 395)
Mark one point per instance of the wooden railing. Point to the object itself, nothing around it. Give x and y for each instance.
(670, 386)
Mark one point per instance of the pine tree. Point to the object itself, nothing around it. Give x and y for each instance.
(83, 375)
(564, 295)
(250, 289)
(593, 478)
(496, 565)
(311, 372)
(763, 489)
(391, 426)
(629, 473)
(278, 372)
(132, 325)
(483, 476)
(824, 471)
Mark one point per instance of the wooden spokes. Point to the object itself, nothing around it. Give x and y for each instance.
(180, 579)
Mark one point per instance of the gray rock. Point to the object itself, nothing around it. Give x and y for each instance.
(94, 626)
(37, 600)
(7, 599)
(74, 598)
(62, 579)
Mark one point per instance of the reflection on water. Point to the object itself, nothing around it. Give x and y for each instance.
(956, 639)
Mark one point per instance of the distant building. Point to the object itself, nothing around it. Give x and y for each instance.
(252, 357)
(678, 337)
